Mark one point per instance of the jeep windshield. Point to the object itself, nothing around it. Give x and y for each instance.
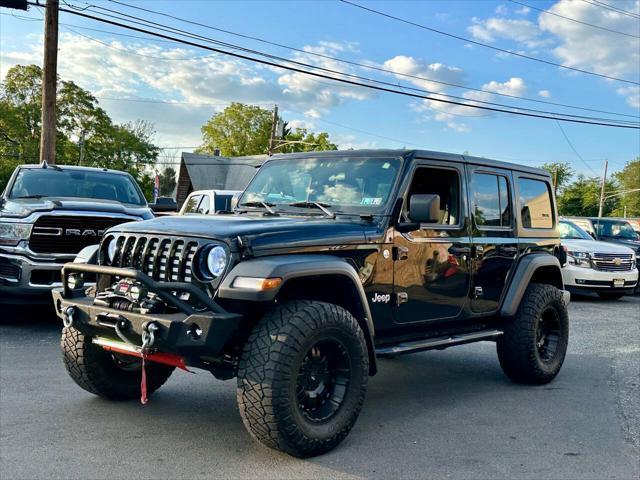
(72, 183)
(614, 229)
(341, 185)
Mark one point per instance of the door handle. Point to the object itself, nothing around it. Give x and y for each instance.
(459, 250)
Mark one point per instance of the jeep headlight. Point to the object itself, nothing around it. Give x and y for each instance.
(579, 259)
(210, 263)
(12, 233)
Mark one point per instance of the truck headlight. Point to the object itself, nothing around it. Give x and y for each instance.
(111, 250)
(210, 263)
(12, 233)
(216, 261)
(579, 259)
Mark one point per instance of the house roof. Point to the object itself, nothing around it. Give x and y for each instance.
(220, 173)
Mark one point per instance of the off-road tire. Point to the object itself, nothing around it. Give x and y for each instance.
(518, 351)
(270, 366)
(95, 370)
(610, 295)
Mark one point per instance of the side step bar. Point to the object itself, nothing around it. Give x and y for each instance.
(438, 342)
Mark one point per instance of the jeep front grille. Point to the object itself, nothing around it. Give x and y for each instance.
(165, 259)
(613, 262)
(69, 234)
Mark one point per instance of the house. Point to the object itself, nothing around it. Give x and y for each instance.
(205, 172)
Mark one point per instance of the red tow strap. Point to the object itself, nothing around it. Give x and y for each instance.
(143, 382)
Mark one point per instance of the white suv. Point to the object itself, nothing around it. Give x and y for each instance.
(592, 266)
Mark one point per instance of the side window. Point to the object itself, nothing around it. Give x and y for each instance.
(192, 204)
(444, 183)
(205, 205)
(490, 200)
(535, 203)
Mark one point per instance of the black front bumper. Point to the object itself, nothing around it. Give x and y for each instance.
(188, 333)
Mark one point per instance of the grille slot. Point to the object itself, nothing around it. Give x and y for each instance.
(163, 259)
(611, 262)
(69, 234)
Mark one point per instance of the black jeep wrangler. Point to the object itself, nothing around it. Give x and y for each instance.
(328, 261)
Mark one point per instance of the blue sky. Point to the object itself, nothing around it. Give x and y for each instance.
(133, 76)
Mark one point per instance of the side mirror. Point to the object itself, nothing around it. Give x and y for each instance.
(424, 208)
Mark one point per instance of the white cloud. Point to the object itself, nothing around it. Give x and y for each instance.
(513, 86)
(502, 10)
(135, 69)
(632, 94)
(434, 72)
(523, 11)
(544, 93)
(585, 47)
(492, 29)
(300, 123)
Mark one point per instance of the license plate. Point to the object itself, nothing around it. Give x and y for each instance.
(618, 282)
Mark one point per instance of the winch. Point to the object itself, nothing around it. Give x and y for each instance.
(131, 296)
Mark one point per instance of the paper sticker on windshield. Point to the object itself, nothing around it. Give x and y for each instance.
(371, 201)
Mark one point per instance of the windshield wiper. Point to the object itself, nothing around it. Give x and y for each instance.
(318, 205)
(28, 196)
(266, 205)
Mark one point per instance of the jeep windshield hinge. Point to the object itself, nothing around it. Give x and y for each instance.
(244, 245)
(400, 253)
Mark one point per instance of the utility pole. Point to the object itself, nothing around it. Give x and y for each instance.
(604, 180)
(81, 144)
(274, 124)
(50, 74)
(555, 181)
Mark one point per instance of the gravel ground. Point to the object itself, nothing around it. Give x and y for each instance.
(449, 414)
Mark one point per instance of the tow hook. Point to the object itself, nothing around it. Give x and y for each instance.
(148, 335)
(69, 312)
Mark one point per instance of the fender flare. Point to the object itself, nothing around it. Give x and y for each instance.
(88, 255)
(299, 266)
(525, 269)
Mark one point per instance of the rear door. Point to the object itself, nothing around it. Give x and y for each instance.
(494, 239)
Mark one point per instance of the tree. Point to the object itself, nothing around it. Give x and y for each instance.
(167, 182)
(582, 198)
(629, 179)
(245, 130)
(238, 130)
(561, 174)
(126, 147)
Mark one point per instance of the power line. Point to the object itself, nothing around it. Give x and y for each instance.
(361, 65)
(481, 44)
(547, 12)
(511, 110)
(574, 149)
(315, 73)
(144, 22)
(610, 7)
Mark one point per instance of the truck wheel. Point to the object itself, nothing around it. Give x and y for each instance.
(108, 375)
(302, 377)
(610, 295)
(534, 343)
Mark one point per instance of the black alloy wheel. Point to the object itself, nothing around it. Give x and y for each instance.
(323, 380)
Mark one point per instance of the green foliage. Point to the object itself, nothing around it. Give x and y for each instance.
(561, 174)
(245, 130)
(629, 179)
(582, 198)
(167, 182)
(238, 130)
(123, 147)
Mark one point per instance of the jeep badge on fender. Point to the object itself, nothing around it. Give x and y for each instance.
(294, 296)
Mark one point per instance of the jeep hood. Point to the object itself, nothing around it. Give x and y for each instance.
(262, 232)
(21, 208)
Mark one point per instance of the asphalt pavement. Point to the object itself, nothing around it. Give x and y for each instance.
(441, 414)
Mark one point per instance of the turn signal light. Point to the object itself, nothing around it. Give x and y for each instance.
(257, 284)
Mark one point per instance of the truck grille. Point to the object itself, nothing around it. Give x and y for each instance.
(613, 262)
(69, 234)
(162, 258)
